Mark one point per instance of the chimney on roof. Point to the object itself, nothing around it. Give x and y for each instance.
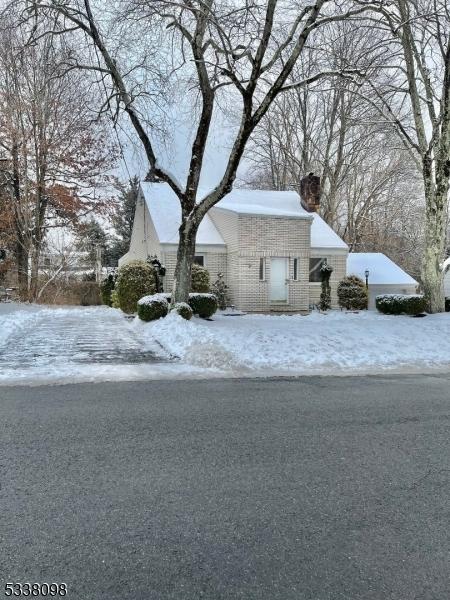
(310, 192)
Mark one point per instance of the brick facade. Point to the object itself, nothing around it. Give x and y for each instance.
(215, 262)
(249, 238)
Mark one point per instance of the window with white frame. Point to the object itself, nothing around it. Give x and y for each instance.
(199, 259)
(315, 265)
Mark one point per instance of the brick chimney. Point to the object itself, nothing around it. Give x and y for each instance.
(310, 192)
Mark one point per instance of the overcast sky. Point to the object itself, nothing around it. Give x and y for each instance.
(176, 155)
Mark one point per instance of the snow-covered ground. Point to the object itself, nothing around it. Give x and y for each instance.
(333, 343)
(13, 318)
(41, 344)
(59, 345)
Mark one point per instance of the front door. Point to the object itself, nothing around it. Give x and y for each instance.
(278, 279)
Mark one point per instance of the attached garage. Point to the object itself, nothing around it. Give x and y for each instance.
(384, 276)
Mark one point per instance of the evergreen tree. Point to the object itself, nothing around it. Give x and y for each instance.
(123, 217)
(325, 296)
(90, 235)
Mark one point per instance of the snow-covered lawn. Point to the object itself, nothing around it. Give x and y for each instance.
(333, 343)
(49, 344)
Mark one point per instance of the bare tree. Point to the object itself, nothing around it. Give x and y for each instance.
(244, 50)
(58, 156)
(411, 91)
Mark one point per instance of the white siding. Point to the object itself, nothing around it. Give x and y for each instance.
(144, 241)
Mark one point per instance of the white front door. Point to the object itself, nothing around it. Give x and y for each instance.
(278, 279)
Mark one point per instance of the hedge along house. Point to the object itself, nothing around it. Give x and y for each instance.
(268, 246)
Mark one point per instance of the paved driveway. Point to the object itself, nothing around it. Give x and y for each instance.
(68, 343)
(308, 489)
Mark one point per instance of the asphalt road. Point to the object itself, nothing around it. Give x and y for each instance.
(315, 488)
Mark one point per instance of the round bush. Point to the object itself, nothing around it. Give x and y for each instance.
(184, 310)
(135, 280)
(399, 304)
(199, 279)
(203, 305)
(106, 289)
(150, 308)
(352, 293)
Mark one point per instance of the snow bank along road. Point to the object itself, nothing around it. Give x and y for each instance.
(39, 345)
(334, 343)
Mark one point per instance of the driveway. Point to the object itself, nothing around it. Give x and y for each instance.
(307, 489)
(63, 344)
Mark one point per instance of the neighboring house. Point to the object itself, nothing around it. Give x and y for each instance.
(74, 263)
(268, 246)
(385, 277)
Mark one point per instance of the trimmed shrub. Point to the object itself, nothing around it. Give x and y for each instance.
(114, 299)
(184, 310)
(447, 304)
(399, 304)
(220, 290)
(135, 280)
(150, 308)
(325, 294)
(203, 305)
(352, 293)
(106, 289)
(199, 279)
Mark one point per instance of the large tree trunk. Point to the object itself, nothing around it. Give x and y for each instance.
(185, 257)
(436, 196)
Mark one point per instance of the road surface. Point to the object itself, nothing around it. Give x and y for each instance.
(290, 489)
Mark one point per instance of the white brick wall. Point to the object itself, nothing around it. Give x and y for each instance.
(266, 237)
(248, 238)
(215, 262)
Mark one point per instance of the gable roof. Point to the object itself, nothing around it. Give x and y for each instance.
(164, 208)
(323, 236)
(382, 270)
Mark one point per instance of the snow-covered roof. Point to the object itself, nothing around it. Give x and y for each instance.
(165, 210)
(264, 202)
(323, 236)
(281, 204)
(382, 270)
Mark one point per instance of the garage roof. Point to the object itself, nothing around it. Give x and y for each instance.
(383, 271)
